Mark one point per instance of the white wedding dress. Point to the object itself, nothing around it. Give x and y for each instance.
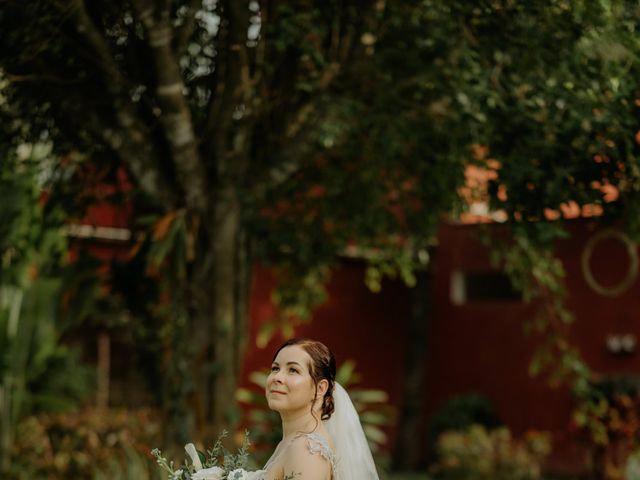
(352, 459)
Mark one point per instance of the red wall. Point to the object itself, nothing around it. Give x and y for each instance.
(355, 323)
(477, 347)
(598, 316)
(482, 347)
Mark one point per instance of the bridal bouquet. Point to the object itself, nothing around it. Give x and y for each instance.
(215, 464)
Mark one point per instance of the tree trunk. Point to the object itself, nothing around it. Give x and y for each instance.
(103, 370)
(407, 449)
(230, 277)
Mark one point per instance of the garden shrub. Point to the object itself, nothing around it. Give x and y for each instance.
(608, 424)
(88, 444)
(480, 454)
(460, 412)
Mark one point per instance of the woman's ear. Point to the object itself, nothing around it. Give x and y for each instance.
(323, 386)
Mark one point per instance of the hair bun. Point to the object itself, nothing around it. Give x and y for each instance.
(328, 406)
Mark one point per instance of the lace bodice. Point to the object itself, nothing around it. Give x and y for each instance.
(316, 444)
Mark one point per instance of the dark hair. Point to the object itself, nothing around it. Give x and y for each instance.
(321, 367)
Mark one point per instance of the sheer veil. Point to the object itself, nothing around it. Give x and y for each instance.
(354, 456)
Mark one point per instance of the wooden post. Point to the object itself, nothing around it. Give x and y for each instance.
(104, 370)
(406, 455)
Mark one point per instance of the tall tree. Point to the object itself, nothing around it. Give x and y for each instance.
(252, 129)
(289, 131)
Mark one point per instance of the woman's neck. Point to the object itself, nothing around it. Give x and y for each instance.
(299, 421)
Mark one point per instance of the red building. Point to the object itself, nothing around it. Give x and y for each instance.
(475, 340)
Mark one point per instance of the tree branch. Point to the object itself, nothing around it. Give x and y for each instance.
(233, 91)
(175, 117)
(139, 157)
(114, 81)
(131, 140)
(300, 139)
(183, 34)
(299, 145)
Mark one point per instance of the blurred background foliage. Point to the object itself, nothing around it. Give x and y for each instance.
(460, 413)
(490, 455)
(87, 443)
(37, 372)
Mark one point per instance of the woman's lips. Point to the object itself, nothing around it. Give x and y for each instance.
(278, 392)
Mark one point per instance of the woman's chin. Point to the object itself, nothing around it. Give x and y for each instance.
(275, 404)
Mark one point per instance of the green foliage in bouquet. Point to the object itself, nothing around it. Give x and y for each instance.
(90, 444)
(480, 454)
(217, 463)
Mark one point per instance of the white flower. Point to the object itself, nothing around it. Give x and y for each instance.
(238, 474)
(213, 473)
(242, 474)
(193, 453)
(256, 475)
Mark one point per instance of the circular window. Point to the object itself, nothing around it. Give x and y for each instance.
(631, 274)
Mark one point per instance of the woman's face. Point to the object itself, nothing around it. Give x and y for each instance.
(289, 385)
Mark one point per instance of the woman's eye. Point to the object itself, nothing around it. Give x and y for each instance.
(293, 370)
(274, 369)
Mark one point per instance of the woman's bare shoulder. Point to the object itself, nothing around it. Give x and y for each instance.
(303, 459)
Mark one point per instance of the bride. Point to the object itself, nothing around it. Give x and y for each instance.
(322, 438)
